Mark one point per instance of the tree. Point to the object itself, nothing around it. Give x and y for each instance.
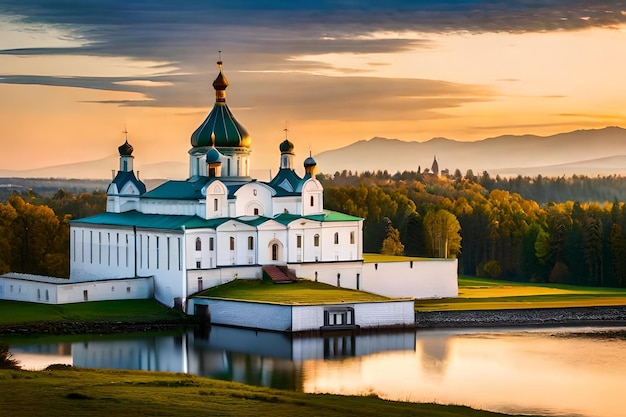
(7, 361)
(442, 233)
(392, 244)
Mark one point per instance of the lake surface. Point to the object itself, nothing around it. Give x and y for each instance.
(556, 371)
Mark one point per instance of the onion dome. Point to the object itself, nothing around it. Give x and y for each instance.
(220, 128)
(213, 156)
(309, 162)
(286, 147)
(310, 166)
(126, 149)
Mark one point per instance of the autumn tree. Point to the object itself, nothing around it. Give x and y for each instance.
(442, 233)
(392, 244)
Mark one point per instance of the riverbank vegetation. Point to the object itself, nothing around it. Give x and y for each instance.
(486, 294)
(16, 312)
(92, 392)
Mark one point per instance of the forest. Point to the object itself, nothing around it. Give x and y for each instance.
(561, 230)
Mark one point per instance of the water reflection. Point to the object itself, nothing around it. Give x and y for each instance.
(509, 371)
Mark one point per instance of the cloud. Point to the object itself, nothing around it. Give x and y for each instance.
(264, 36)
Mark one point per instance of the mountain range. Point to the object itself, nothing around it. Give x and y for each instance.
(581, 152)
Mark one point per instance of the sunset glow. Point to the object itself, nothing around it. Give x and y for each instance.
(72, 83)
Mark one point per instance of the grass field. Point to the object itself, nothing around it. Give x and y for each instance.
(376, 257)
(485, 294)
(92, 392)
(300, 292)
(12, 312)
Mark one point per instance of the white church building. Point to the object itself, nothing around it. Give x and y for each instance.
(218, 225)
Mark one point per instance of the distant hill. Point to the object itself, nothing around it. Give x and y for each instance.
(582, 152)
(101, 169)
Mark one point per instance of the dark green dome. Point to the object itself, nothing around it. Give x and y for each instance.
(309, 162)
(126, 149)
(286, 147)
(220, 128)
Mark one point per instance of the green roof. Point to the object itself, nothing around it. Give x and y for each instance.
(173, 222)
(191, 189)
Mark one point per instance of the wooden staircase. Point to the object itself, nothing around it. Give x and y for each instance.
(280, 274)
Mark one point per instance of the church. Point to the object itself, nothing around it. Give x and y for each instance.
(219, 225)
(215, 226)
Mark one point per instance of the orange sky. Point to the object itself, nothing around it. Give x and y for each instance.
(69, 88)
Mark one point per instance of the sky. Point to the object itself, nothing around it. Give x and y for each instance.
(75, 74)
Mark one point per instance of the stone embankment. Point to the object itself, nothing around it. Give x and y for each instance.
(92, 327)
(574, 316)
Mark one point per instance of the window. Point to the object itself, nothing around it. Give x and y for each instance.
(216, 204)
(336, 238)
(250, 243)
(157, 252)
(352, 238)
(198, 264)
(312, 201)
(198, 244)
(210, 243)
(200, 284)
(232, 243)
(254, 191)
(299, 241)
(169, 254)
(275, 252)
(316, 240)
(256, 211)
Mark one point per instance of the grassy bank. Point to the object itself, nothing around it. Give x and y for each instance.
(88, 392)
(300, 292)
(15, 312)
(486, 294)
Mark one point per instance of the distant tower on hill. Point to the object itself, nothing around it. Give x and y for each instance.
(435, 167)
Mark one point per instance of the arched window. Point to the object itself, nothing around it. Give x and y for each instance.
(232, 243)
(336, 238)
(198, 244)
(312, 201)
(275, 252)
(352, 238)
(211, 243)
(250, 243)
(316, 240)
(256, 211)
(216, 203)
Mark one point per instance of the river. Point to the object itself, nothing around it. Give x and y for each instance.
(549, 371)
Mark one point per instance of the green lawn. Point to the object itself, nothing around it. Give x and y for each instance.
(300, 292)
(92, 392)
(12, 312)
(377, 257)
(485, 294)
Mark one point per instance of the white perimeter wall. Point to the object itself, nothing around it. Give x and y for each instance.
(214, 277)
(433, 278)
(297, 318)
(74, 292)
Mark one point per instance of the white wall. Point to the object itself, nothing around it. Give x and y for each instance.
(101, 253)
(429, 278)
(246, 314)
(301, 318)
(34, 291)
(253, 195)
(214, 277)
